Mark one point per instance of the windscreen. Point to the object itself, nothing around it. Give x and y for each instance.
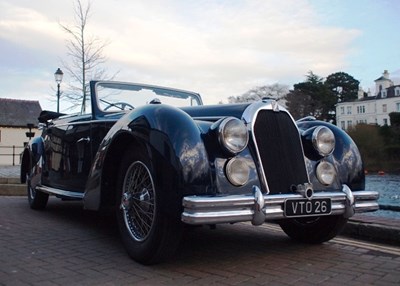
(112, 97)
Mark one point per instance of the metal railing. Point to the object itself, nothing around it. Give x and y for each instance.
(11, 151)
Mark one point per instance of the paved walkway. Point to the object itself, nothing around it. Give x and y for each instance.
(9, 171)
(65, 245)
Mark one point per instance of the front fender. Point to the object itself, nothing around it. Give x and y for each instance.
(32, 159)
(174, 144)
(346, 155)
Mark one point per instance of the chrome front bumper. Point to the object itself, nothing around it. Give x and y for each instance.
(259, 208)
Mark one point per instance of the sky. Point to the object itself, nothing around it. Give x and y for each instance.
(219, 48)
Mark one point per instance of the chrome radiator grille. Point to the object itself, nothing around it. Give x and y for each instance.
(280, 151)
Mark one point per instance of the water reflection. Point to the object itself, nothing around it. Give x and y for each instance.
(388, 187)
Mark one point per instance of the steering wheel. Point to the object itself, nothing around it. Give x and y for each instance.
(120, 105)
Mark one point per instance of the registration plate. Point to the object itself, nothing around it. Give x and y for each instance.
(305, 207)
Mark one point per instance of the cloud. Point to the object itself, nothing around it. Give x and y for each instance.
(27, 27)
(218, 48)
(228, 42)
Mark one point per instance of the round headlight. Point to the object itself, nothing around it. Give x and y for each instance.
(237, 171)
(323, 140)
(326, 173)
(233, 135)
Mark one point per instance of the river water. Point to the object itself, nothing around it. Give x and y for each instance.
(388, 187)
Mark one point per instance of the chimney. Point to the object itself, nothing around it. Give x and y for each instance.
(360, 93)
(385, 74)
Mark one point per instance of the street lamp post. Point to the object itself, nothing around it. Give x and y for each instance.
(58, 75)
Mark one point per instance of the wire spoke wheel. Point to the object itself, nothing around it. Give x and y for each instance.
(138, 201)
(149, 233)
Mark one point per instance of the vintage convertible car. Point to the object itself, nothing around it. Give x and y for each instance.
(162, 160)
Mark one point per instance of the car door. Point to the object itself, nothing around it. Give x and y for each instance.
(68, 153)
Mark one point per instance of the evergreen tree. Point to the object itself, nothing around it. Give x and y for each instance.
(343, 85)
(319, 101)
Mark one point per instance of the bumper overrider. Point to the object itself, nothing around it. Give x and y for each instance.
(258, 207)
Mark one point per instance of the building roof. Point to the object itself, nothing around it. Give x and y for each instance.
(18, 113)
(390, 92)
(382, 78)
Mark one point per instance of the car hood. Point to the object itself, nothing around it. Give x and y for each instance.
(216, 111)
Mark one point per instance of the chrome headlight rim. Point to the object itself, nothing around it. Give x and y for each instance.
(323, 140)
(236, 178)
(326, 173)
(229, 138)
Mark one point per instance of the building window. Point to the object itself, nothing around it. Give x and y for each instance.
(397, 91)
(342, 110)
(361, 109)
(398, 107)
(0, 135)
(348, 109)
(384, 108)
(343, 124)
(349, 124)
(385, 121)
(384, 94)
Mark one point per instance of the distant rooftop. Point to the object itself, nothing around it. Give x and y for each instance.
(385, 76)
(18, 113)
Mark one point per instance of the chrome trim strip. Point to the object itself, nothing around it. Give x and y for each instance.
(85, 122)
(208, 118)
(257, 209)
(60, 192)
(150, 86)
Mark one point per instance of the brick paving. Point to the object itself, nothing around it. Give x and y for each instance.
(66, 245)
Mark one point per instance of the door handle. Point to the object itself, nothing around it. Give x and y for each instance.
(84, 139)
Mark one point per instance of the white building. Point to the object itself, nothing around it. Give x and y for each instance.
(15, 115)
(370, 109)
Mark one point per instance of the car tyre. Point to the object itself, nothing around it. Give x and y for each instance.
(148, 235)
(37, 199)
(313, 230)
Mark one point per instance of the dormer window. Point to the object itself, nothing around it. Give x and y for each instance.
(384, 93)
(397, 91)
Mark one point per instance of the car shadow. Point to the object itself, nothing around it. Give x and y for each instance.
(222, 244)
(72, 212)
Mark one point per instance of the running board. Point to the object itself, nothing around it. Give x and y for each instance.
(60, 192)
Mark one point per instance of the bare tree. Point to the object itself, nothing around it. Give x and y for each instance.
(86, 56)
(275, 91)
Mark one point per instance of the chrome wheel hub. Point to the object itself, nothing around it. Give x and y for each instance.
(126, 202)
